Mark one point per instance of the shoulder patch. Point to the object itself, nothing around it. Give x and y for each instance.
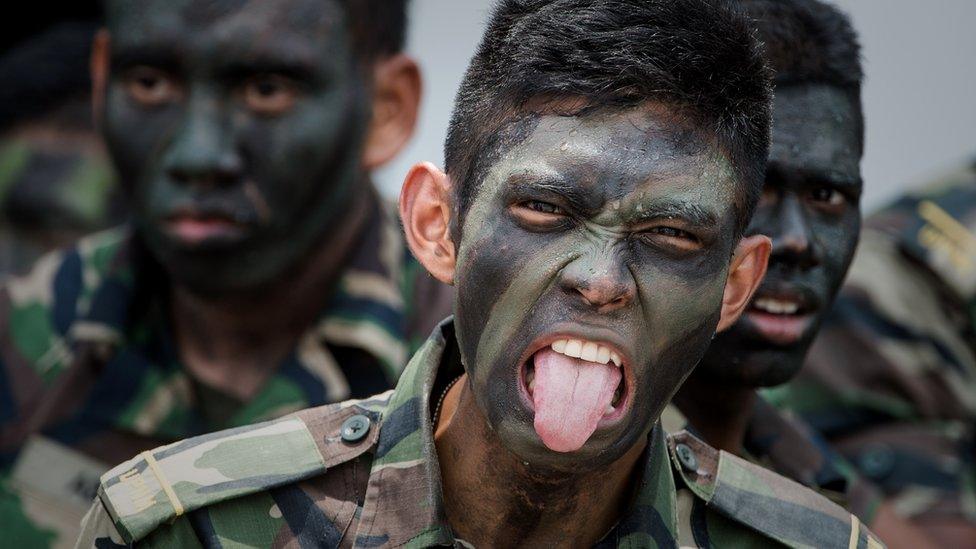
(764, 501)
(158, 486)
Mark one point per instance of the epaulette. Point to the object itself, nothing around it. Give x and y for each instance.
(937, 228)
(158, 486)
(764, 501)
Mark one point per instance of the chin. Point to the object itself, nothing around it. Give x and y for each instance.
(594, 455)
(769, 367)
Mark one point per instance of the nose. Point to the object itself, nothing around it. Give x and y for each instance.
(793, 240)
(601, 279)
(203, 151)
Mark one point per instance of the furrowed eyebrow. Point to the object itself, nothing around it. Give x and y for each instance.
(577, 196)
(691, 213)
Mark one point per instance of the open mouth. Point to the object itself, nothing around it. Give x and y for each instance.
(585, 351)
(574, 386)
(782, 318)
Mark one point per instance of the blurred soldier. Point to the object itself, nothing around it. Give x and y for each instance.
(56, 183)
(591, 219)
(810, 210)
(261, 274)
(891, 380)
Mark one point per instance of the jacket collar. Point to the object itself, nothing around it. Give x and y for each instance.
(119, 284)
(404, 502)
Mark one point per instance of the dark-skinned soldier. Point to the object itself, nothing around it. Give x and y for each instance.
(810, 209)
(261, 273)
(590, 219)
(891, 379)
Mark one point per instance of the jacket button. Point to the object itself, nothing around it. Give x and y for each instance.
(355, 428)
(877, 462)
(686, 457)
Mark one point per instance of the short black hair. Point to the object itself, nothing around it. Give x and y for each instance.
(809, 42)
(47, 72)
(699, 57)
(379, 27)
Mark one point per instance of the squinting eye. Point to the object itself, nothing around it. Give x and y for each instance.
(270, 94)
(828, 196)
(671, 232)
(543, 207)
(152, 87)
(535, 214)
(672, 237)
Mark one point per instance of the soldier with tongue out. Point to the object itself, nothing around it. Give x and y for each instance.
(602, 163)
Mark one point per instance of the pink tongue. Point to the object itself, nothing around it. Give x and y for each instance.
(570, 397)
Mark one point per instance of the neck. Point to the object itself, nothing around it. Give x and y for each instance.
(719, 411)
(234, 341)
(494, 499)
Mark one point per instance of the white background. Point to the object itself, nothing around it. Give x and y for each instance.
(920, 94)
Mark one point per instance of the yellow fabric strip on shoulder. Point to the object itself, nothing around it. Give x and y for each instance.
(163, 482)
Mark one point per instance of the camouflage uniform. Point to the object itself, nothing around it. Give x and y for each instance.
(365, 474)
(891, 381)
(89, 362)
(50, 195)
(783, 443)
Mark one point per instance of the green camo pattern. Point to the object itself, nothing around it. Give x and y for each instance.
(87, 358)
(891, 381)
(297, 482)
(52, 194)
(783, 443)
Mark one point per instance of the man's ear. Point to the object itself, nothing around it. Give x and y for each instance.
(98, 65)
(397, 87)
(745, 274)
(425, 208)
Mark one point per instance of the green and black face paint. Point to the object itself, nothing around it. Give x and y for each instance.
(606, 236)
(237, 128)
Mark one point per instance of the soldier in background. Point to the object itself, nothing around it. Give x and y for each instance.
(891, 380)
(56, 183)
(810, 208)
(591, 219)
(261, 273)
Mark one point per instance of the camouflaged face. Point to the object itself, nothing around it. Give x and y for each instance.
(299, 482)
(87, 358)
(891, 380)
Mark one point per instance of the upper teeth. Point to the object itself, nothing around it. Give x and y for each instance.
(776, 306)
(586, 350)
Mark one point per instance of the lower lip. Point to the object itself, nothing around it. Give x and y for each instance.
(606, 420)
(780, 329)
(197, 231)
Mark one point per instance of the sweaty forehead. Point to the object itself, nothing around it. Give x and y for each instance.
(616, 155)
(185, 24)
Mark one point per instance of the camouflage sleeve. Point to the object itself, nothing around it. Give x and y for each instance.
(97, 529)
(33, 354)
(736, 492)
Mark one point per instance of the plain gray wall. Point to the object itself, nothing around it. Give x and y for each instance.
(919, 98)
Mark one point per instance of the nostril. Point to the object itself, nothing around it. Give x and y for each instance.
(205, 177)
